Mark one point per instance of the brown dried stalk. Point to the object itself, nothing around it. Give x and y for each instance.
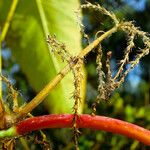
(101, 76)
(78, 77)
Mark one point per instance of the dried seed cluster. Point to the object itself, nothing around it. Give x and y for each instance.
(82, 27)
(78, 76)
(111, 83)
(101, 76)
(59, 48)
(108, 83)
(12, 92)
(102, 10)
(7, 143)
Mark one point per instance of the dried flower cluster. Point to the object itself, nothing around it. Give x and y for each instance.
(81, 26)
(7, 143)
(102, 10)
(59, 48)
(78, 76)
(101, 76)
(108, 83)
(13, 94)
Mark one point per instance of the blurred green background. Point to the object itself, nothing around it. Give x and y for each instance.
(131, 102)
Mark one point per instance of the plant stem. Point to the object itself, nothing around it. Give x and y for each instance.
(8, 19)
(83, 121)
(52, 84)
(2, 38)
(10, 132)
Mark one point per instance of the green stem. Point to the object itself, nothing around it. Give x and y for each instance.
(8, 20)
(2, 38)
(8, 133)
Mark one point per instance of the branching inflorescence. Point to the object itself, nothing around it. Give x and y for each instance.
(60, 49)
(107, 82)
(12, 93)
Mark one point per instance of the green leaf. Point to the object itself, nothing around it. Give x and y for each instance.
(27, 39)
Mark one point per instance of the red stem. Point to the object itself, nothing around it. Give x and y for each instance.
(85, 121)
